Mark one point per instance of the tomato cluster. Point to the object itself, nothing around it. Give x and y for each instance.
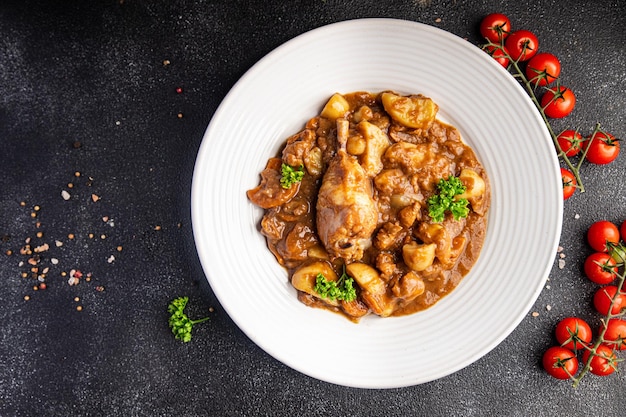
(518, 52)
(574, 334)
(600, 148)
(541, 68)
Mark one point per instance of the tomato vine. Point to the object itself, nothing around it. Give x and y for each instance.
(616, 250)
(539, 74)
(513, 50)
(575, 338)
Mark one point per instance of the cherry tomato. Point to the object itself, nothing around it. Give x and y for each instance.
(601, 232)
(603, 298)
(569, 183)
(603, 148)
(600, 268)
(498, 53)
(543, 68)
(615, 336)
(559, 362)
(522, 45)
(603, 363)
(495, 27)
(569, 142)
(558, 102)
(573, 333)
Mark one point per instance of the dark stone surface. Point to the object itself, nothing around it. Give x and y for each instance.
(93, 72)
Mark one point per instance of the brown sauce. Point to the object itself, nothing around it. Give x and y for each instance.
(371, 161)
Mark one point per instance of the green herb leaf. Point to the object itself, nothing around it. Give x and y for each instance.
(290, 175)
(180, 324)
(342, 289)
(445, 200)
(459, 208)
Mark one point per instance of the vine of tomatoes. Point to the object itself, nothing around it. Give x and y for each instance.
(575, 337)
(580, 348)
(540, 73)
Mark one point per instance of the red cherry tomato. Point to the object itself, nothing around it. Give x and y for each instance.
(601, 232)
(499, 54)
(600, 268)
(522, 45)
(560, 362)
(558, 102)
(603, 363)
(569, 141)
(603, 298)
(495, 27)
(615, 335)
(602, 148)
(569, 183)
(543, 68)
(573, 333)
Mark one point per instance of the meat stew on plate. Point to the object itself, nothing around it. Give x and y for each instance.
(376, 206)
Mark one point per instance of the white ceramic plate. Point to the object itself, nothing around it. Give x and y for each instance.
(494, 115)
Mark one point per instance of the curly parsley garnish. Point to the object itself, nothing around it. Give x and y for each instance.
(290, 175)
(179, 322)
(341, 290)
(445, 200)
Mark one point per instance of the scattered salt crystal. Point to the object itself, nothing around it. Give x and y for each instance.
(559, 249)
(561, 255)
(547, 287)
(66, 196)
(548, 307)
(561, 264)
(535, 314)
(42, 248)
(54, 261)
(75, 276)
(577, 216)
(111, 259)
(58, 243)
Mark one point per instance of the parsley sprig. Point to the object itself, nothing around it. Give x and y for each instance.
(445, 200)
(290, 175)
(341, 290)
(180, 324)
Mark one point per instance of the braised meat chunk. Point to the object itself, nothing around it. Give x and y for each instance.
(349, 206)
(346, 212)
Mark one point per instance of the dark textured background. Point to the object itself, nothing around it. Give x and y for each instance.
(93, 72)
